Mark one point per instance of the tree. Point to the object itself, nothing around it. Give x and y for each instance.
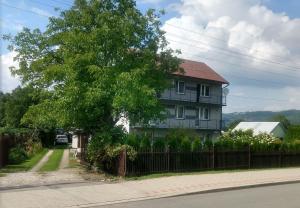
(14, 105)
(282, 119)
(98, 61)
(3, 98)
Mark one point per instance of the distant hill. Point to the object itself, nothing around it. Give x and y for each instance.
(292, 115)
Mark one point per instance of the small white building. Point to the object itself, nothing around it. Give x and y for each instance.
(273, 128)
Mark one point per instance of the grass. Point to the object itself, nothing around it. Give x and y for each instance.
(54, 160)
(26, 165)
(2, 174)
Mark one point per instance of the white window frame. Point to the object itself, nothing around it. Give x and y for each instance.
(203, 90)
(177, 112)
(202, 113)
(178, 84)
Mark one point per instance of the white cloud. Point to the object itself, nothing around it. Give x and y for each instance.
(219, 31)
(151, 1)
(41, 11)
(7, 81)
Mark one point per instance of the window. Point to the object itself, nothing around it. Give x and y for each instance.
(180, 87)
(179, 112)
(205, 91)
(204, 113)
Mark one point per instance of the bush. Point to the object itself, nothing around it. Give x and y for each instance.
(185, 144)
(159, 144)
(145, 143)
(196, 145)
(132, 140)
(33, 147)
(175, 136)
(17, 155)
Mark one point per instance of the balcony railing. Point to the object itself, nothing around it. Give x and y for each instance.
(191, 96)
(188, 123)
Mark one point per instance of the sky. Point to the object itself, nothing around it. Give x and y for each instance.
(254, 44)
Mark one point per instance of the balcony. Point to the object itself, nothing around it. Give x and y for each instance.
(191, 96)
(187, 123)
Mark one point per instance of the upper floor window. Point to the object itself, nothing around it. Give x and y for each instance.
(204, 113)
(179, 112)
(205, 90)
(180, 87)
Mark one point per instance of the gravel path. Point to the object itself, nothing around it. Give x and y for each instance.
(37, 179)
(65, 160)
(42, 161)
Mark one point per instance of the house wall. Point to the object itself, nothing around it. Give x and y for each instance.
(171, 98)
(191, 91)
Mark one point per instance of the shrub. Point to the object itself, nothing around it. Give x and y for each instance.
(132, 140)
(175, 136)
(196, 145)
(207, 145)
(145, 143)
(159, 144)
(185, 144)
(17, 155)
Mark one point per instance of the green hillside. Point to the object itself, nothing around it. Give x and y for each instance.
(292, 115)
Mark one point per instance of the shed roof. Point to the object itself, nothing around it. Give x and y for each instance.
(201, 71)
(258, 127)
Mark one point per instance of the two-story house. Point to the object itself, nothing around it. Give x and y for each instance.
(194, 101)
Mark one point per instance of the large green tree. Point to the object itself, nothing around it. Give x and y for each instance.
(99, 60)
(14, 105)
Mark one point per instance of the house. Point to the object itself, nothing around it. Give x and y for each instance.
(194, 101)
(273, 128)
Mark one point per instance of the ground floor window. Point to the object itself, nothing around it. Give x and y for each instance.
(180, 112)
(204, 113)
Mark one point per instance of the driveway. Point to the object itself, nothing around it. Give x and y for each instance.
(35, 178)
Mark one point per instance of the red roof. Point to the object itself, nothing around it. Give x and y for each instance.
(200, 70)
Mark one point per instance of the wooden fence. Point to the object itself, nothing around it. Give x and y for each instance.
(148, 162)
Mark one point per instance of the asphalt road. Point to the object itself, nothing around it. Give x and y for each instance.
(279, 196)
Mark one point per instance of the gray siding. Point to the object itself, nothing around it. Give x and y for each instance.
(171, 98)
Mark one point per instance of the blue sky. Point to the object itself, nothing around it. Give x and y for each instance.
(266, 32)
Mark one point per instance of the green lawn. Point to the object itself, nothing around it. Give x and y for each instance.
(26, 165)
(54, 160)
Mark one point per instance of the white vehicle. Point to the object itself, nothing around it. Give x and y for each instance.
(61, 139)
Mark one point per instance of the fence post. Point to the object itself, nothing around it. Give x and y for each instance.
(213, 157)
(249, 156)
(168, 159)
(280, 158)
(122, 163)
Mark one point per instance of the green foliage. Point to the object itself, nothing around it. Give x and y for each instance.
(132, 140)
(293, 133)
(175, 136)
(33, 146)
(241, 139)
(17, 155)
(159, 143)
(282, 119)
(14, 105)
(145, 143)
(185, 144)
(196, 145)
(95, 62)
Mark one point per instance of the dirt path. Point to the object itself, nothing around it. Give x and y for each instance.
(42, 161)
(65, 160)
